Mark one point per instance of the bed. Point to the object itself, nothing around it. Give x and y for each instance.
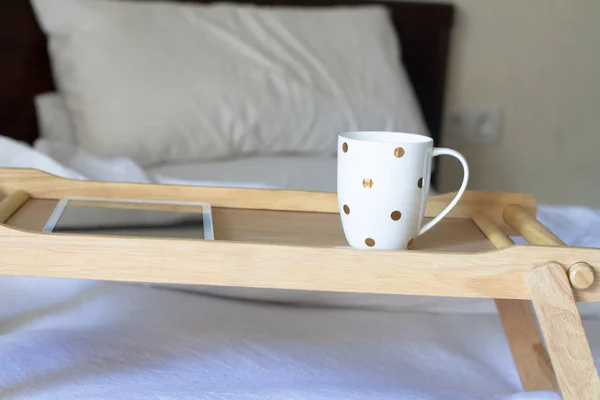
(423, 29)
(77, 339)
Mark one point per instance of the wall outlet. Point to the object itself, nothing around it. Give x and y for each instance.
(476, 125)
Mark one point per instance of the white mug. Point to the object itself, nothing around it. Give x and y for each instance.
(383, 183)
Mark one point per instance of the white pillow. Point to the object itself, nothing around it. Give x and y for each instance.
(170, 82)
(53, 119)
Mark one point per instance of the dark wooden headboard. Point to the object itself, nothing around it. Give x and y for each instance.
(423, 28)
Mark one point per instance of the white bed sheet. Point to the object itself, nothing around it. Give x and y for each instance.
(64, 339)
(290, 172)
(72, 339)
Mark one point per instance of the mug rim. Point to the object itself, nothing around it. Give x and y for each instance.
(386, 137)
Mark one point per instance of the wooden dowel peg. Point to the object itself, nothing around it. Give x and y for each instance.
(529, 227)
(11, 204)
(581, 275)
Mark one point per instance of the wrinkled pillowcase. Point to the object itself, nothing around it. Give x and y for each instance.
(167, 82)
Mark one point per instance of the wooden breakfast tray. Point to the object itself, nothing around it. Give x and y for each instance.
(286, 240)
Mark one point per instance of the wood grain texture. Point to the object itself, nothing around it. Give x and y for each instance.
(493, 274)
(531, 358)
(11, 203)
(581, 275)
(42, 185)
(518, 320)
(519, 218)
(563, 332)
(499, 239)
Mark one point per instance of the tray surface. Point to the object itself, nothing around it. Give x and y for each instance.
(288, 227)
(280, 239)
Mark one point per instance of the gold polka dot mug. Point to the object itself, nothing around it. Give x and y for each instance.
(383, 182)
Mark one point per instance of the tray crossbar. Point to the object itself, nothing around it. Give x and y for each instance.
(545, 273)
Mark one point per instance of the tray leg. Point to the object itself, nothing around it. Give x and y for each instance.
(563, 332)
(518, 321)
(531, 359)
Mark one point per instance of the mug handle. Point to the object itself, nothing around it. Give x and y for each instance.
(441, 151)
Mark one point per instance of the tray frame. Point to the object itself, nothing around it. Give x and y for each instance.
(545, 273)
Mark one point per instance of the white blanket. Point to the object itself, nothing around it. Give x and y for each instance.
(68, 160)
(72, 339)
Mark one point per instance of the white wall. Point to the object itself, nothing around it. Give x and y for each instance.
(539, 60)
